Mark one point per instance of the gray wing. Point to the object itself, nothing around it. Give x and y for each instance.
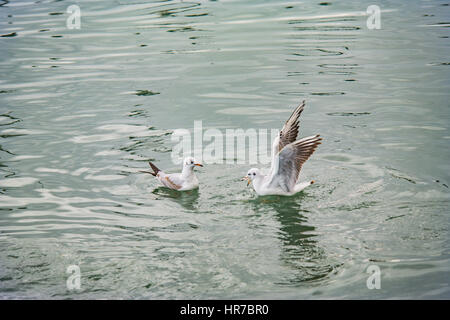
(289, 132)
(290, 160)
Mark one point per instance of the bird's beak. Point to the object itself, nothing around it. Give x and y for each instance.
(145, 171)
(248, 180)
(198, 164)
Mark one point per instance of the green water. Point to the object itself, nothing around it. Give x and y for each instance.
(83, 110)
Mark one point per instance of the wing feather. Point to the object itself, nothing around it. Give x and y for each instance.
(172, 184)
(171, 180)
(290, 161)
(289, 132)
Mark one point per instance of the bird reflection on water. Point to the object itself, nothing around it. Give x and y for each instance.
(187, 199)
(301, 251)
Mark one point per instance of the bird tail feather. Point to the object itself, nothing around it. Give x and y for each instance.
(155, 169)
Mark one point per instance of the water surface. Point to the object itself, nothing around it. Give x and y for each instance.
(83, 110)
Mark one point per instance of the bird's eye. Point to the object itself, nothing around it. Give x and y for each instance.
(192, 162)
(248, 174)
(254, 173)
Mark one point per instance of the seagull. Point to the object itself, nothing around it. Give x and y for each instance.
(288, 156)
(186, 180)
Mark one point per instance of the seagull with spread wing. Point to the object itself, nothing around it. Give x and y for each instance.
(186, 180)
(288, 157)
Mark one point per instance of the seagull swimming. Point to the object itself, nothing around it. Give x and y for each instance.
(186, 180)
(288, 156)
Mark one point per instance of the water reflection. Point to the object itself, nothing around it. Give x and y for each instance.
(187, 199)
(300, 251)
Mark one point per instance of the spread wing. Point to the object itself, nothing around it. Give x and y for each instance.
(289, 132)
(290, 160)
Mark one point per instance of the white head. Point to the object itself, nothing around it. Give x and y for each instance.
(252, 174)
(190, 163)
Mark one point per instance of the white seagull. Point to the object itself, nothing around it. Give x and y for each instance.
(288, 156)
(186, 180)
